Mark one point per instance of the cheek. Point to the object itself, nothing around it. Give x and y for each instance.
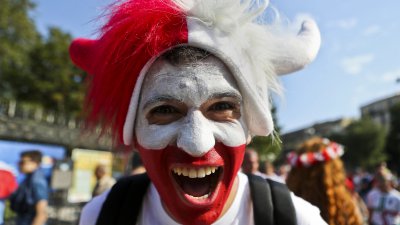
(155, 136)
(158, 137)
(231, 134)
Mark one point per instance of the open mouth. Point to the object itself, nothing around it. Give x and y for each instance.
(198, 184)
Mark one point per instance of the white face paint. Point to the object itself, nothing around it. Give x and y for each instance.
(191, 106)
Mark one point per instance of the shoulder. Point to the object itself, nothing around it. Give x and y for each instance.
(373, 193)
(113, 198)
(91, 210)
(306, 213)
(110, 182)
(39, 186)
(395, 194)
(38, 178)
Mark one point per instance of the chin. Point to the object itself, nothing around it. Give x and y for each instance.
(194, 190)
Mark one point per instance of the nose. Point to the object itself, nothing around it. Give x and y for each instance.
(196, 136)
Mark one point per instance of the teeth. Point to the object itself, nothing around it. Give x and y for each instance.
(195, 172)
(201, 173)
(208, 170)
(201, 197)
(192, 173)
(185, 172)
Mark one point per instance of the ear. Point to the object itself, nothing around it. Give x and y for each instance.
(83, 53)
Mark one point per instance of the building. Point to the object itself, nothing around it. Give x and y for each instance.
(292, 139)
(379, 110)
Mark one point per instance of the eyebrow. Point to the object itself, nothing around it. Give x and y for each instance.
(160, 98)
(230, 94)
(164, 98)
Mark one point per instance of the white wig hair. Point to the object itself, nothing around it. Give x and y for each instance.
(255, 52)
(270, 49)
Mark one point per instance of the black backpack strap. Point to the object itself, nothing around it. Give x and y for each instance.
(262, 201)
(123, 203)
(284, 211)
(272, 202)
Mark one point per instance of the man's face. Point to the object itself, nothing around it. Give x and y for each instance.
(384, 182)
(250, 162)
(100, 172)
(190, 136)
(27, 165)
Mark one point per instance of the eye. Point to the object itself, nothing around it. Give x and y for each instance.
(165, 114)
(221, 106)
(164, 109)
(222, 111)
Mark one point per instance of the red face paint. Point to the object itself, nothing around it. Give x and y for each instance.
(180, 194)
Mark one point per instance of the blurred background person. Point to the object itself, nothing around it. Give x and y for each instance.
(283, 171)
(318, 176)
(31, 198)
(366, 185)
(104, 181)
(250, 164)
(270, 172)
(8, 184)
(358, 200)
(384, 201)
(137, 165)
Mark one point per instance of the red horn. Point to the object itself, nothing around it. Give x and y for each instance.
(83, 53)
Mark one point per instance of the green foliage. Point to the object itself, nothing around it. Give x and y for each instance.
(34, 69)
(56, 83)
(364, 142)
(393, 139)
(17, 37)
(269, 147)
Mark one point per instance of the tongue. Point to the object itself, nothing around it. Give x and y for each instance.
(196, 187)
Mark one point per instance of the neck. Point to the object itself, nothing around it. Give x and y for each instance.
(231, 196)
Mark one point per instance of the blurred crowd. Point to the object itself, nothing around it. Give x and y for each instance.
(314, 172)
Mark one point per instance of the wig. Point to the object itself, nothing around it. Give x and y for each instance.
(139, 31)
(323, 185)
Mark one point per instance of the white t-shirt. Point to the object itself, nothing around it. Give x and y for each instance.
(385, 206)
(240, 212)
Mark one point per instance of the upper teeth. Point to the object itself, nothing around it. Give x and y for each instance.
(195, 172)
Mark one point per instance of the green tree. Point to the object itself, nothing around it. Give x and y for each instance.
(17, 37)
(393, 139)
(268, 147)
(56, 82)
(33, 69)
(364, 142)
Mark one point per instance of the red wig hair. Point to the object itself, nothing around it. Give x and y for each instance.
(136, 32)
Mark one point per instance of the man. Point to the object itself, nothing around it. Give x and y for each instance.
(186, 83)
(30, 199)
(136, 165)
(270, 172)
(250, 163)
(383, 202)
(103, 181)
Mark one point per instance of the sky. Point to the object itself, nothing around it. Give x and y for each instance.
(359, 59)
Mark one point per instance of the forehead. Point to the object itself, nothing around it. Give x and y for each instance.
(195, 81)
(27, 158)
(251, 156)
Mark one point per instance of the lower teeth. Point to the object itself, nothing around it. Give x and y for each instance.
(201, 197)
